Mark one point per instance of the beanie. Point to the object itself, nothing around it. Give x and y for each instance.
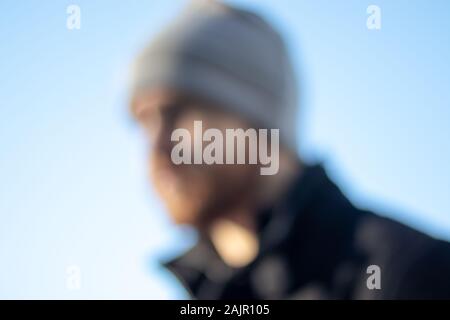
(230, 56)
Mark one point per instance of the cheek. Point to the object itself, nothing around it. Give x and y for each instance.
(187, 202)
(237, 179)
(154, 167)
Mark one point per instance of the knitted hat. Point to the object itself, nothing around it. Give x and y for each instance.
(230, 56)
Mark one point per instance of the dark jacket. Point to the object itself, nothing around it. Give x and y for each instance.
(316, 245)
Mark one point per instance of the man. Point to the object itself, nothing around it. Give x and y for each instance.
(292, 234)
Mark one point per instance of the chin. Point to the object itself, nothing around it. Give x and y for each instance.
(183, 215)
(185, 208)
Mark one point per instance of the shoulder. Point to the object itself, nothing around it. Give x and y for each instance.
(412, 264)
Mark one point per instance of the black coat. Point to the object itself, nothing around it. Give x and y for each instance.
(316, 245)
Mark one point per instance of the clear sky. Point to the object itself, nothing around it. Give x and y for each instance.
(73, 190)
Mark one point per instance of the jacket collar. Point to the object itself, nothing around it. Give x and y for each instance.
(197, 263)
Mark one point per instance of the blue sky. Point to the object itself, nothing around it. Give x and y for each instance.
(73, 191)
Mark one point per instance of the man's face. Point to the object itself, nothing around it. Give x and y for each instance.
(193, 193)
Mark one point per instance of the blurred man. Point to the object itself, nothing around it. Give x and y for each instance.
(291, 234)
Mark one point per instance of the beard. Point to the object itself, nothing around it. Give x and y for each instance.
(196, 195)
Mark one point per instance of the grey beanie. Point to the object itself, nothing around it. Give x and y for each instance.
(230, 56)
